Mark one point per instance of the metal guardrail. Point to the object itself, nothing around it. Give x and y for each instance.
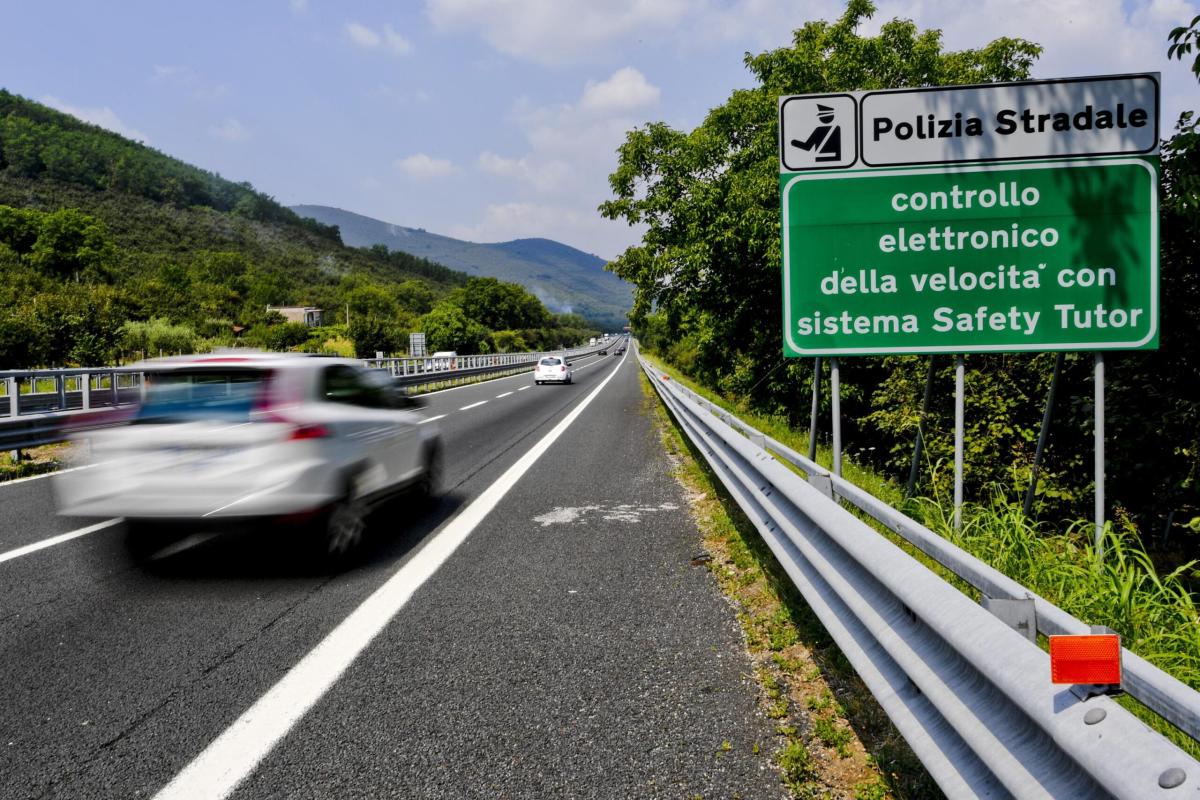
(45, 406)
(971, 695)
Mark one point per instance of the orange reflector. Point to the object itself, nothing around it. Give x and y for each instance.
(1094, 658)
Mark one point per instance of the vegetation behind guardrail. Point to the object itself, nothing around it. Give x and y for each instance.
(1156, 614)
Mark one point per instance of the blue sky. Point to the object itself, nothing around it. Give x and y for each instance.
(482, 119)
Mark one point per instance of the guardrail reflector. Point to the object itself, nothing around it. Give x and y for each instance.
(1094, 658)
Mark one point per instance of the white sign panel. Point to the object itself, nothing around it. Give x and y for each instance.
(1074, 117)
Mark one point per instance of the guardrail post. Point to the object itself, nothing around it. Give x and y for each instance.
(14, 393)
(85, 384)
(1019, 614)
(113, 389)
(61, 381)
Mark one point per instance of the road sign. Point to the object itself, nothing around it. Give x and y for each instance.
(416, 345)
(1004, 245)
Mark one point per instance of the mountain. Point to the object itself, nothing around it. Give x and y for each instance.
(565, 279)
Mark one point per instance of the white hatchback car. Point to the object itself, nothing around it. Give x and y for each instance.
(257, 437)
(552, 369)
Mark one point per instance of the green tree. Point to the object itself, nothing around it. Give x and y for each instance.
(372, 334)
(709, 260)
(447, 327)
(499, 305)
(71, 244)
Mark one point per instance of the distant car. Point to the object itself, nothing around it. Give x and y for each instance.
(552, 369)
(603, 351)
(230, 439)
(621, 350)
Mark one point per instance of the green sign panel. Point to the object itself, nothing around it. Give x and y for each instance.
(1017, 216)
(1016, 257)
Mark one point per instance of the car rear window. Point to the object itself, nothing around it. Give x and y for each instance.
(221, 394)
(550, 362)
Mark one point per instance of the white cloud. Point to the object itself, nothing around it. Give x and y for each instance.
(361, 35)
(298, 6)
(104, 117)
(395, 42)
(626, 89)
(366, 38)
(190, 81)
(421, 166)
(230, 131)
(553, 31)
(543, 176)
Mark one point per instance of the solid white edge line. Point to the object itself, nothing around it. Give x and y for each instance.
(473, 405)
(233, 755)
(53, 540)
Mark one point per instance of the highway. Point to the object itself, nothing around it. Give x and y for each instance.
(541, 632)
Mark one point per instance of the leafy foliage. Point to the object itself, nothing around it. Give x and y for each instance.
(708, 294)
(111, 250)
(1184, 40)
(36, 141)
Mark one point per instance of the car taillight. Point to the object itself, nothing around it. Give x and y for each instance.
(562, 369)
(302, 432)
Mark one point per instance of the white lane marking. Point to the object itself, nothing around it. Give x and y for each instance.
(523, 388)
(233, 755)
(53, 540)
(431, 419)
(473, 405)
(526, 371)
(47, 474)
(506, 394)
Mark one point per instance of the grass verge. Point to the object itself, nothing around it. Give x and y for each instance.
(33, 461)
(1155, 614)
(833, 739)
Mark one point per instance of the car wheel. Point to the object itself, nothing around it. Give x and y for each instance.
(430, 485)
(341, 529)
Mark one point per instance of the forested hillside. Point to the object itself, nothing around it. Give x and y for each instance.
(110, 250)
(564, 278)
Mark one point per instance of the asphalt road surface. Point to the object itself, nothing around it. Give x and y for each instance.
(540, 633)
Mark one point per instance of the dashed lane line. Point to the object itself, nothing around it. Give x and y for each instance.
(53, 540)
(234, 755)
(473, 405)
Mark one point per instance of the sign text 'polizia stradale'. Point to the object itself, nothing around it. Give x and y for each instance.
(1002, 217)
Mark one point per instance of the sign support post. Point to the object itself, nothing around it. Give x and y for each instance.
(959, 413)
(916, 459)
(1099, 426)
(835, 388)
(816, 405)
(1043, 435)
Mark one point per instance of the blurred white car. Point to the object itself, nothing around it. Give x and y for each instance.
(552, 369)
(257, 437)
